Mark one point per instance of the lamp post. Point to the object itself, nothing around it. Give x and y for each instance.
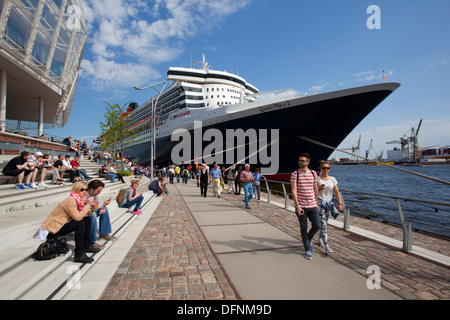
(153, 122)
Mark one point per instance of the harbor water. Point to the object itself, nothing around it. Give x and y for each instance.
(378, 179)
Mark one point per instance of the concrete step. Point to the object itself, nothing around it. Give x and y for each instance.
(24, 278)
(12, 199)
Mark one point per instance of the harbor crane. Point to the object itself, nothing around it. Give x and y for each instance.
(368, 150)
(355, 149)
(409, 144)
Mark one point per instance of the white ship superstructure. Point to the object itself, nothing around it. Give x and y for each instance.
(194, 95)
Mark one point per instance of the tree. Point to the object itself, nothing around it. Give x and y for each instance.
(116, 133)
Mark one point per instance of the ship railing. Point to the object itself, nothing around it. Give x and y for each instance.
(283, 188)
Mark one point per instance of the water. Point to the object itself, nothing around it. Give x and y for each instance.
(389, 181)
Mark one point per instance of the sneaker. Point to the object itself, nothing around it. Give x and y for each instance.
(28, 186)
(311, 247)
(43, 185)
(137, 212)
(308, 255)
(328, 249)
(34, 185)
(321, 243)
(20, 187)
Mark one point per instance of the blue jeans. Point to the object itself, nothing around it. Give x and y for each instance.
(112, 175)
(313, 215)
(248, 190)
(137, 202)
(105, 224)
(83, 172)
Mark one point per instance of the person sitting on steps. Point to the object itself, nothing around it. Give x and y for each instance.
(72, 214)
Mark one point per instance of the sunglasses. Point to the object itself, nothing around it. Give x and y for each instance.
(83, 190)
(325, 168)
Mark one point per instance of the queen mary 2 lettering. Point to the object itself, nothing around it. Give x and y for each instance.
(214, 116)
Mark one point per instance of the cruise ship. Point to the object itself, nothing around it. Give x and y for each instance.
(215, 116)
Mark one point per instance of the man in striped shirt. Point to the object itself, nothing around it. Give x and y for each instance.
(304, 193)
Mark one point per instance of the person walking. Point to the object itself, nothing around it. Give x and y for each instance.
(304, 193)
(230, 177)
(247, 182)
(171, 173)
(177, 172)
(185, 175)
(326, 186)
(237, 181)
(203, 179)
(257, 177)
(216, 178)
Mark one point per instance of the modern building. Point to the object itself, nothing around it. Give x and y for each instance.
(41, 46)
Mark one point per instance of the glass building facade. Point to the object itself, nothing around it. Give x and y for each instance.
(43, 40)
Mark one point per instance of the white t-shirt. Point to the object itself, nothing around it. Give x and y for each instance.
(327, 193)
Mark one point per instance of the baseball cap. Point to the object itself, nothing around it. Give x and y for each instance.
(38, 153)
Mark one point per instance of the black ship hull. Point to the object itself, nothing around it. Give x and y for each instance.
(327, 118)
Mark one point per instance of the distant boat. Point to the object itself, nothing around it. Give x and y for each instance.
(411, 164)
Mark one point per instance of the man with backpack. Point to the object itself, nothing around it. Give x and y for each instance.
(185, 175)
(304, 193)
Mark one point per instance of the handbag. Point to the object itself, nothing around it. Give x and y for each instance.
(52, 248)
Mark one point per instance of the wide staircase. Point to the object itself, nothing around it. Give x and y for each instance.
(21, 215)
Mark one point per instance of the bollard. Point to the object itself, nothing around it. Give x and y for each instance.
(268, 192)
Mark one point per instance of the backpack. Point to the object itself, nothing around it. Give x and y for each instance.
(153, 185)
(120, 196)
(52, 248)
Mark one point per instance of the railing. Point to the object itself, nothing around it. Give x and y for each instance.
(19, 147)
(20, 129)
(406, 223)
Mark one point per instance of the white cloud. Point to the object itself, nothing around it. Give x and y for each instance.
(134, 36)
(366, 76)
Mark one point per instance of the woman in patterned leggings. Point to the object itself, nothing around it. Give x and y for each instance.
(326, 185)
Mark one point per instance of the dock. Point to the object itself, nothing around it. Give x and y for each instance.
(187, 247)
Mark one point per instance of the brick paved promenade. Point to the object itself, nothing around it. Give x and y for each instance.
(172, 259)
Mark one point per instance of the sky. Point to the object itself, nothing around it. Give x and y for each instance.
(322, 46)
